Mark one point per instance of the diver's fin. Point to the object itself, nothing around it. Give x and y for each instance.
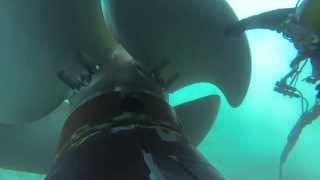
(198, 116)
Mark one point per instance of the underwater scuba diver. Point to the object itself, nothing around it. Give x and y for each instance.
(299, 25)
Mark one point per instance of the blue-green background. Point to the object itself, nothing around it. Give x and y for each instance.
(245, 142)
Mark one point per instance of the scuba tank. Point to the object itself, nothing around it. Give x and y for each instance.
(308, 14)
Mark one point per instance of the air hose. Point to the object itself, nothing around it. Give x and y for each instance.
(305, 119)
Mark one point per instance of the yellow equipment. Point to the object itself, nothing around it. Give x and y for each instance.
(309, 14)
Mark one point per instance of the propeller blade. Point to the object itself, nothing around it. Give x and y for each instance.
(38, 39)
(198, 116)
(189, 34)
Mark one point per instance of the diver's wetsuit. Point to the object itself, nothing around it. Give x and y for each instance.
(134, 136)
(284, 21)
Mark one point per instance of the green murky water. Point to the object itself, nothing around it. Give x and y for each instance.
(245, 142)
